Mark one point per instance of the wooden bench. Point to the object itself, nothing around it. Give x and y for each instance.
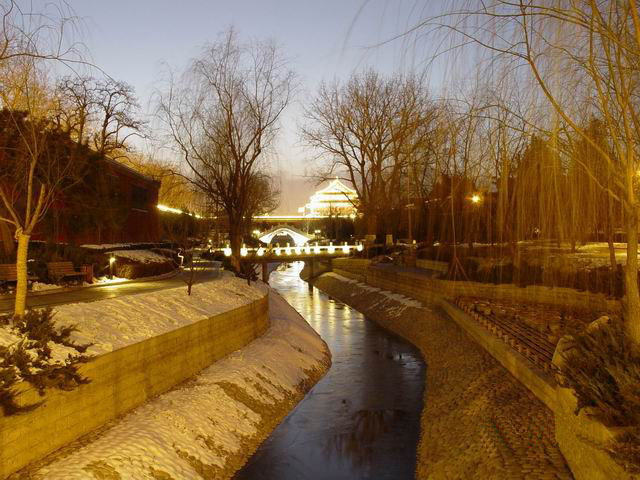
(61, 271)
(9, 274)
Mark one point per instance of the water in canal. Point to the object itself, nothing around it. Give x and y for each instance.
(362, 420)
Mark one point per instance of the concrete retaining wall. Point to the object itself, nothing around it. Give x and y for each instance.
(122, 380)
(428, 289)
(579, 438)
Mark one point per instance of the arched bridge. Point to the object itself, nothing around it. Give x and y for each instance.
(299, 237)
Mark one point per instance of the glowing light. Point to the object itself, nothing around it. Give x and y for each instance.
(277, 250)
(260, 252)
(345, 248)
(331, 249)
(256, 233)
(360, 247)
(243, 251)
(316, 249)
(298, 250)
(352, 216)
(307, 249)
(112, 260)
(476, 198)
(227, 251)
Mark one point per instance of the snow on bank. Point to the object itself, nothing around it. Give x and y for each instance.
(41, 287)
(117, 322)
(140, 256)
(210, 426)
(106, 246)
(400, 302)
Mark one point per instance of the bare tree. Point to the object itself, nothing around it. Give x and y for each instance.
(41, 162)
(368, 129)
(34, 156)
(222, 117)
(117, 107)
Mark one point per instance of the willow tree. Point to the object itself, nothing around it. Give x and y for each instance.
(222, 116)
(576, 52)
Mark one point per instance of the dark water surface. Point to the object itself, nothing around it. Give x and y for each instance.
(362, 420)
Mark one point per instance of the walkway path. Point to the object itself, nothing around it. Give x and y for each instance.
(104, 291)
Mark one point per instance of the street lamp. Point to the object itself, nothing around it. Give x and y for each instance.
(475, 198)
(410, 207)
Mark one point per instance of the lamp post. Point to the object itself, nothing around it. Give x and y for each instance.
(409, 207)
(112, 260)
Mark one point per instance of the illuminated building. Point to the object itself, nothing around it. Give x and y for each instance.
(334, 199)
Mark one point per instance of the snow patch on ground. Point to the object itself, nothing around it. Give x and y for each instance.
(106, 246)
(200, 419)
(117, 322)
(41, 287)
(107, 280)
(404, 302)
(140, 256)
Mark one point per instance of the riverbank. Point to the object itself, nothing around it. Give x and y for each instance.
(478, 421)
(210, 425)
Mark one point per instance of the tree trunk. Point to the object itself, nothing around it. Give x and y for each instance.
(235, 240)
(21, 266)
(371, 223)
(632, 320)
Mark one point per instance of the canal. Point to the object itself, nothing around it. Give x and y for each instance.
(362, 420)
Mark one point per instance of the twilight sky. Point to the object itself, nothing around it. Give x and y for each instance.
(324, 39)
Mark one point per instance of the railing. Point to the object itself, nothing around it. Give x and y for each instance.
(299, 250)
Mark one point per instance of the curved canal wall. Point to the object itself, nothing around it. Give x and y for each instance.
(478, 421)
(209, 426)
(143, 371)
(122, 380)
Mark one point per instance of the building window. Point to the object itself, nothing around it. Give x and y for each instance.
(139, 198)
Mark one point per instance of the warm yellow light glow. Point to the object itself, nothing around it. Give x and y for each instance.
(243, 251)
(352, 216)
(360, 247)
(476, 198)
(277, 250)
(112, 260)
(260, 252)
(256, 233)
(298, 250)
(316, 249)
(227, 252)
(331, 249)
(345, 249)
(307, 249)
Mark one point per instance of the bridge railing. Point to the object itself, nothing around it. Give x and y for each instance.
(289, 251)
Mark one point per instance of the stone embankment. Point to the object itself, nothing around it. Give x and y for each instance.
(478, 421)
(209, 425)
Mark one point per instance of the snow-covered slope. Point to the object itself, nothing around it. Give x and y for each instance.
(208, 427)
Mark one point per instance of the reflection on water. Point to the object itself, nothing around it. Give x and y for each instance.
(356, 444)
(362, 419)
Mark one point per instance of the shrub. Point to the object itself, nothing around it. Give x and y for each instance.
(31, 359)
(603, 368)
(137, 270)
